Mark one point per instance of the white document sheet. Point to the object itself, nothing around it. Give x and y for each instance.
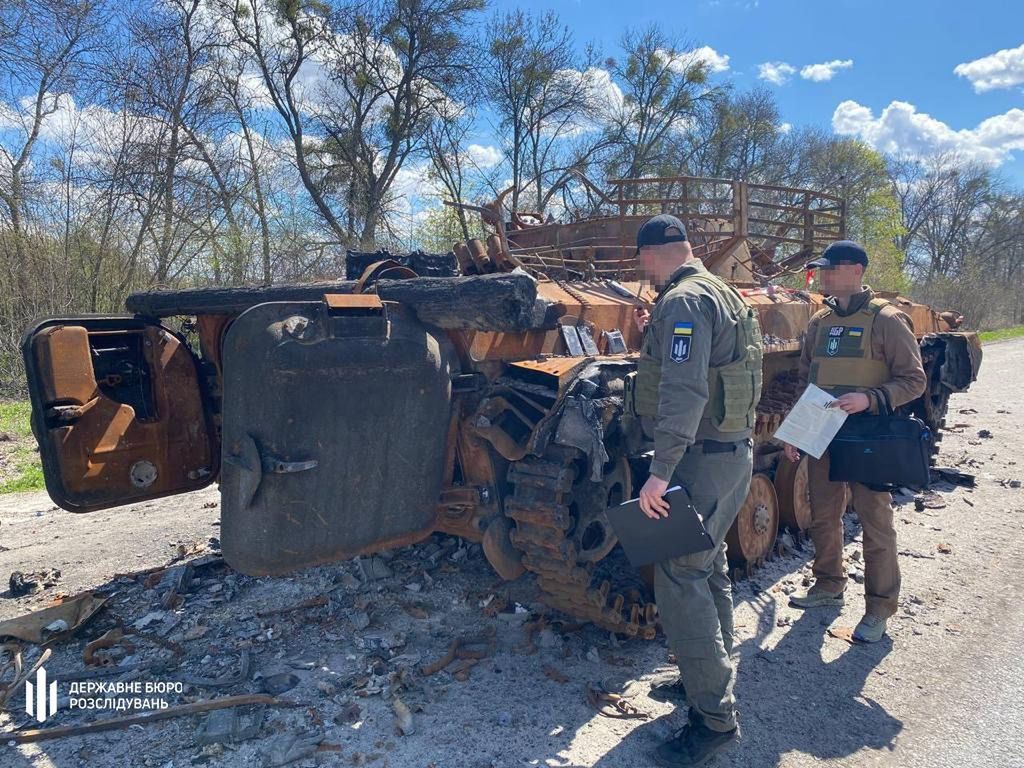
(811, 425)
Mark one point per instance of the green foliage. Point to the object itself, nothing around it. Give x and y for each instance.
(20, 450)
(30, 478)
(1003, 334)
(856, 173)
(440, 229)
(880, 227)
(288, 9)
(14, 419)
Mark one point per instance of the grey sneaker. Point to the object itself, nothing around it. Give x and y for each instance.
(870, 629)
(817, 596)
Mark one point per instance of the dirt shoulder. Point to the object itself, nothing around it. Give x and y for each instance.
(945, 688)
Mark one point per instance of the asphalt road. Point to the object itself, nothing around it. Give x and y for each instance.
(971, 708)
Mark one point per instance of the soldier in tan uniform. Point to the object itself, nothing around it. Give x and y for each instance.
(859, 349)
(699, 380)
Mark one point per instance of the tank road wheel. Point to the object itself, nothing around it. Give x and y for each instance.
(794, 494)
(592, 534)
(751, 537)
(565, 539)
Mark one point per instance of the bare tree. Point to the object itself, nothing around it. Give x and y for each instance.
(395, 65)
(738, 137)
(664, 88)
(238, 103)
(942, 200)
(45, 43)
(170, 80)
(542, 91)
(446, 146)
(287, 40)
(917, 191)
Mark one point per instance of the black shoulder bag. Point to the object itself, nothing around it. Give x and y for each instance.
(883, 450)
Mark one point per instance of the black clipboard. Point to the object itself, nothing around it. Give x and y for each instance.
(647, 541)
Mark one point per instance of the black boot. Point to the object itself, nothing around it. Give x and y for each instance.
(694, 745)
(671, 691)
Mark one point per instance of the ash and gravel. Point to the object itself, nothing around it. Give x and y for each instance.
(945, 687)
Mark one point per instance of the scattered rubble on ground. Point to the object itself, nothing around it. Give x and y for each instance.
(333, 659)
(338, 660)
(22, 584)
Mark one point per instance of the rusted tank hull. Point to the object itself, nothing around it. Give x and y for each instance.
(335, 425)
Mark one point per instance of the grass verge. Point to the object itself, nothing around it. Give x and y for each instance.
(1002, 334)
(21, 470)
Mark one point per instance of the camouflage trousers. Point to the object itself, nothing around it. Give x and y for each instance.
(693, 592)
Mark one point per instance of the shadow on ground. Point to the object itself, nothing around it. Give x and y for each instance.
(790, 700)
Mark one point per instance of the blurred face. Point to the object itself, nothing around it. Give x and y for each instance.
(658, 262)
(842, 279)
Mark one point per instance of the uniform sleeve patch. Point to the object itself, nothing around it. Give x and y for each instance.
(680, 351)
(682, 329)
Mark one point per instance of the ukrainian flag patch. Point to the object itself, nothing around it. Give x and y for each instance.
(683, 329)
(856, 331)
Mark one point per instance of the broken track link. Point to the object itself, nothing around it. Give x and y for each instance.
(541, 507)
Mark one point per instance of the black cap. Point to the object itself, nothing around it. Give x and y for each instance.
(841, 252)
(653, 231)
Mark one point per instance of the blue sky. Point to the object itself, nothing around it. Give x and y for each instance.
(903, 53)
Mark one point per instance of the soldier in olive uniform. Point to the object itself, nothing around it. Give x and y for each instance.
(698, 380)
(861, 349)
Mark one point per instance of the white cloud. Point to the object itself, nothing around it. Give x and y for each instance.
(8, 117)
(414, 181)
(902, 129)
(604, 93)
(776, 72)
(1002, 69)
(93, 130)
(707, 56)
(603, 89)
(483, 157)
(820, 73)
(604, 98)
(600, 88)
(785, 127)
(712, 60)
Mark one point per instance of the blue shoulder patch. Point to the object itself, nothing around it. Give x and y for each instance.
(680, 351)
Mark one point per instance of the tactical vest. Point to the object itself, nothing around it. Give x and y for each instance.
(733, 389)
(841, 359)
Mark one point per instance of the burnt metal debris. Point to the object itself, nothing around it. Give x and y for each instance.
(478, 393)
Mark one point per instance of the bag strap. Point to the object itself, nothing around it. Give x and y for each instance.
(884, 402)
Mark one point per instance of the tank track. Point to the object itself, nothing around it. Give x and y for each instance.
(541, 507)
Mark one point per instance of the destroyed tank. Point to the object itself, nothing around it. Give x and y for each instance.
(479, 393)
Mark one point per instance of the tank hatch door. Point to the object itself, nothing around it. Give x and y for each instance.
(335, 421)
(118, 412)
